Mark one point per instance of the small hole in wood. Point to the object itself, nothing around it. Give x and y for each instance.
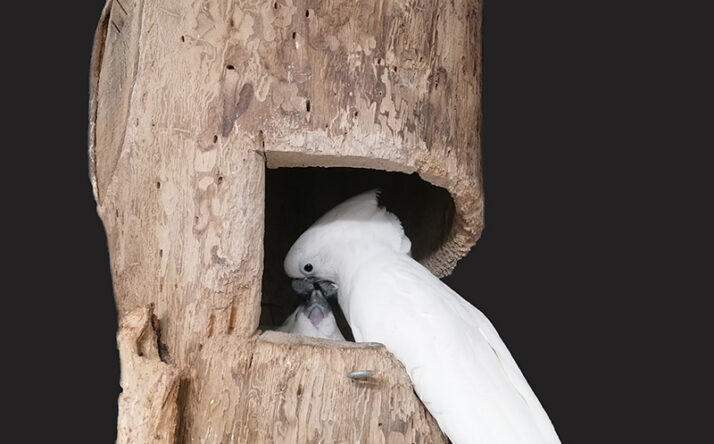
(183, 39)
(232, 23)
(275, 5)
(307, 13)
(294, 34)
(395, 69)
(232, 318)
(356, 113)
(161, 253)
(231, 67)
(220, 180)
(211, 323)
(215, 138)
(158, 185)
(307, 105)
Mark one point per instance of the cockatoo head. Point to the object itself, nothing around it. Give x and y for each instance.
(354, 225)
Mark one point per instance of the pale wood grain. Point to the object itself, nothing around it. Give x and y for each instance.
(148, 403)
(190, 101)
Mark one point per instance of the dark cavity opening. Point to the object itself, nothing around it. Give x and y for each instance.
(297, 197)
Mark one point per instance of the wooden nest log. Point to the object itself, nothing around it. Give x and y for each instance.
(219, 130)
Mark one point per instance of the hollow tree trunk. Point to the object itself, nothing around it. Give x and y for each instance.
(190, 101)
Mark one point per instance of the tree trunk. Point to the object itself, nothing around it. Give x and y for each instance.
(190, 101)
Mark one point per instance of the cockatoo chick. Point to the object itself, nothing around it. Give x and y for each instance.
(313, 318)
(459, 366)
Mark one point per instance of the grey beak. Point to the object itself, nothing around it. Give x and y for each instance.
(306, 286)
(316, 298)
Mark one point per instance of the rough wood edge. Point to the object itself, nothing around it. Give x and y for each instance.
(100, 35)
(277, 337)
(148, 404)
(465, 192)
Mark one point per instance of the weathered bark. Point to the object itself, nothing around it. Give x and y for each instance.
(148, 404)
(189, 102)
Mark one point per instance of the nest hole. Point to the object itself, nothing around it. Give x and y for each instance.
(297, 197)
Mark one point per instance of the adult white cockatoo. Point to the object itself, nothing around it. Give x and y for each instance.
(313, 318)
(459, 366)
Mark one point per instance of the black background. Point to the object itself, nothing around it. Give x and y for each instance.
(573, 267)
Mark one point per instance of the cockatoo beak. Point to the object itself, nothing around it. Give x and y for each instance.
(306, 286)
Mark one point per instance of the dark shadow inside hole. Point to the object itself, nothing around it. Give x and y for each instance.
(297, 197)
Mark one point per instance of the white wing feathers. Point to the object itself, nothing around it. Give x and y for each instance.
(460, 367)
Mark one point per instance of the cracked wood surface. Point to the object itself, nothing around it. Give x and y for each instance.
(189, 100)
(148, 403)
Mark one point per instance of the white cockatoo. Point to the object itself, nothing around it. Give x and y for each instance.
(459, 366)
(313, 318)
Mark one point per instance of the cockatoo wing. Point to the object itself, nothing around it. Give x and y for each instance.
(460, 367)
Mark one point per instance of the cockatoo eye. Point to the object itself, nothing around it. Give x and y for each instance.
(307, 267)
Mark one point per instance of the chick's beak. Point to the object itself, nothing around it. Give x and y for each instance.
(316, 307)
